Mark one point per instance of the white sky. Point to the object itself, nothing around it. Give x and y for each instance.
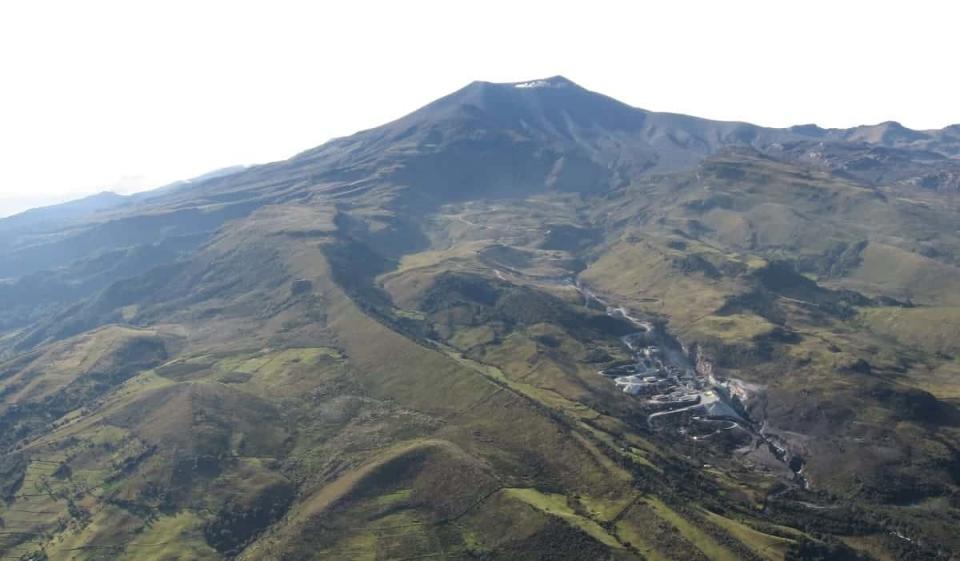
(133, 94)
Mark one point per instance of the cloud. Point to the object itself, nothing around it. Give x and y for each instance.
(128, 184)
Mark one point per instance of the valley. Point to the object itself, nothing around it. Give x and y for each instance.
(523, 322)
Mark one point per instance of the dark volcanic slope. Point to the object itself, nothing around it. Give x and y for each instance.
(387, 347)
(484, 140)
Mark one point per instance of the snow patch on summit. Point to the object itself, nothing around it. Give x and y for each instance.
(555, 82)
(533, 84)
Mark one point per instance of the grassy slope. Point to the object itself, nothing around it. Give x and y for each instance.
(648, 268)
(496, 441)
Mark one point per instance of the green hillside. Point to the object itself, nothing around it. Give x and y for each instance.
(517, 324)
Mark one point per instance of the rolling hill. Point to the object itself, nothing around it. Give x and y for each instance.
(525, 321)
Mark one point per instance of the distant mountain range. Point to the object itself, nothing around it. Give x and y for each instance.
(77, 208)
(526, 321)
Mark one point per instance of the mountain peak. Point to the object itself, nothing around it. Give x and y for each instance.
(551, 82)
(554, 105)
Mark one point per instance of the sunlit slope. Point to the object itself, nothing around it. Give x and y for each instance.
(367, 442)
(390, 348)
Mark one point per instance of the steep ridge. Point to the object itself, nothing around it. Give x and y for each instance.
(380, 348)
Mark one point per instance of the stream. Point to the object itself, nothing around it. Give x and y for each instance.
(683, 381)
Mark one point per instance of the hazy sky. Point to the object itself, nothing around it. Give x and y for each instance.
(132, 94)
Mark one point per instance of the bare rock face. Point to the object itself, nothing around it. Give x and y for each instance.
(703, 363)
(301, 286)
